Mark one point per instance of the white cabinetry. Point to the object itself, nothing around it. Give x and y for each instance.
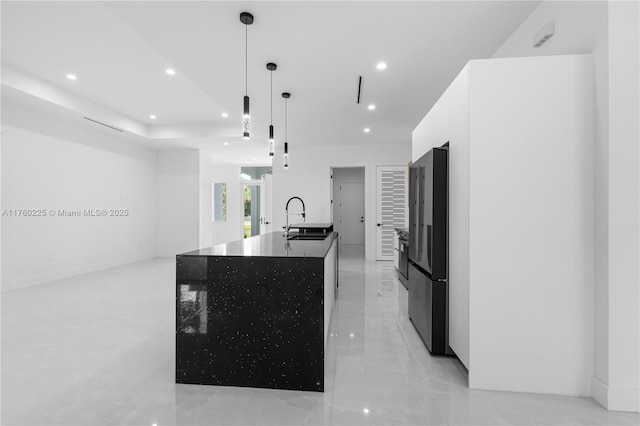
(521, 224)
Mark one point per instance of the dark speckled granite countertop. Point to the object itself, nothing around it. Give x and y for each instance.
(269, 245)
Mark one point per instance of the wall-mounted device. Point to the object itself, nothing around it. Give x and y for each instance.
(544, 34)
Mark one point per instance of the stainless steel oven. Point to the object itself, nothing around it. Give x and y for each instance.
(396, 250)
(404, 262)
(401, 260)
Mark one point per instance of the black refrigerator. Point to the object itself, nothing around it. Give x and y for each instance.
(428, 246)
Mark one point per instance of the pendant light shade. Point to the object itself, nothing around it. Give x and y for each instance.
(286, 155)
(272, 142)
(271, 67)
(246, 123)
(286, 96)
(247, 19)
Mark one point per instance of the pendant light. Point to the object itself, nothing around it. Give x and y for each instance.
(247, 19)
(271, 67)
(286, 96)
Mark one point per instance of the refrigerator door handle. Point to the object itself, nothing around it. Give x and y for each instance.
(429, 247)
(420, 240)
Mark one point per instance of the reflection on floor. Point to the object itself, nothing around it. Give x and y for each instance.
(352, 251)
(99, 349)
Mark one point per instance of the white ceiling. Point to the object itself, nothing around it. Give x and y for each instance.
(120, 50)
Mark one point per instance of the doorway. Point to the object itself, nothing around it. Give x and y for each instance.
(349, 217)
(256, 184)
(253, 209)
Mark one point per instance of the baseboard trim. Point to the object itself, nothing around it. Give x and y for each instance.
(615, 398)
(60, 275)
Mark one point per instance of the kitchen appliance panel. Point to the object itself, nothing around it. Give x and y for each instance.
(439, 214)
(429, 220)
(427, 258)
(396, 250)
(418, 303)
(427, 309)
(414, 199)
(426, 214)
(404, 260)
(437, 291)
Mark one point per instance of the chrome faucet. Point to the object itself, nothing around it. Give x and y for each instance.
(303, 214)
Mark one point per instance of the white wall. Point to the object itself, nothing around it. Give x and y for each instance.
(205, 169)
(433, 130)
(531, 224)
(308, 177)
(178, 183)
(53, 163)
(581, 27)
(608, 30)
(622, 390)
(521, 220)
(230, 230)
(448, 121)
(1, 285)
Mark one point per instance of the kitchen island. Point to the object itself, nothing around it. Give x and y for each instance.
(256, 312)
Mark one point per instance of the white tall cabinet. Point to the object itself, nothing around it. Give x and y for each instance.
(521, 220)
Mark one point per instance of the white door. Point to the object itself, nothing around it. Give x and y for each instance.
(392, 211)
(268, 206)
(253, 209)
(262, 208)
(351, 214)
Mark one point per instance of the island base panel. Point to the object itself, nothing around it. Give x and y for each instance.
(250, 321)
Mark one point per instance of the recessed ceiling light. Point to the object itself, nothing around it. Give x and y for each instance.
(72, 77)
(253, 159)
(381, 65)
(365, 410)
(367, 130)
(171, 71)
(225, 115)
(226, 144)
(153, 117)
(372, 107)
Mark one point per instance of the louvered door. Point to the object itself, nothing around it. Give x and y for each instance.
(391, 196)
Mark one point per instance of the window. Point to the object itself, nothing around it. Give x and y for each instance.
(219, 202)
(255, 172)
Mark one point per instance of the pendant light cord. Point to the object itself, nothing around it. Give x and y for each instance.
(246, 50)
(285, 120)
(271, 97)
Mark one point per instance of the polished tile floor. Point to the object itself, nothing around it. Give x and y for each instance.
(98, 349)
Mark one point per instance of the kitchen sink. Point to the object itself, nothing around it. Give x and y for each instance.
(308, 237)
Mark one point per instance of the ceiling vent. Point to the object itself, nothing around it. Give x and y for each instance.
(359, 89)
(544, 34)
(103, 124)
